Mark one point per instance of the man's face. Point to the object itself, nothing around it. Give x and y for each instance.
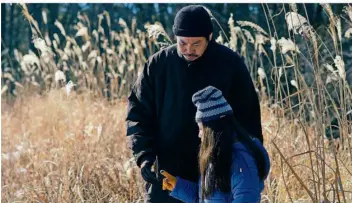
(200, 128)
(191, 47)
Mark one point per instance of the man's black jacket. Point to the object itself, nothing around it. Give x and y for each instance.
(161, 116)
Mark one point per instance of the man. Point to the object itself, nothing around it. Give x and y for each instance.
(161, 130)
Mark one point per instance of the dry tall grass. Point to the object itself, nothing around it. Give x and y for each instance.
(67, 144)
(102, 61)
(59, 149)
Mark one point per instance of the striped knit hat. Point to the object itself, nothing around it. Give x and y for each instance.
(211, 105)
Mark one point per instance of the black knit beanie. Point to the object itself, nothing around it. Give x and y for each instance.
(192, 21)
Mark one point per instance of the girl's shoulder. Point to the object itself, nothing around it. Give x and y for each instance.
(241, 154)
(239, 146)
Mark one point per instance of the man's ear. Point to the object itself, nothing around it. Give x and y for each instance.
(210, 36)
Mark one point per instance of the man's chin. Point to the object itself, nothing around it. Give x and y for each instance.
(191, 58)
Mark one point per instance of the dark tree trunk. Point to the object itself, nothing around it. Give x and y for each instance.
(52, 16)
(10, 31)
(3, 21)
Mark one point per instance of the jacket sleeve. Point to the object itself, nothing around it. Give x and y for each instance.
(185, 191)
(245, 100)
(140, 121)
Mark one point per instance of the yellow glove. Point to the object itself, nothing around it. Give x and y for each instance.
(169, 182)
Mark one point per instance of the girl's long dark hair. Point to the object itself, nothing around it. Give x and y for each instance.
(215, 154)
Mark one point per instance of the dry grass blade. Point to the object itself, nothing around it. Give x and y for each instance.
(249, 36)
(348, 11)
(348, 33)
(328, 10)
(233, 33)
(61, 27)
(45, 17)
(298, 24)
(253, 26)
(155, 30)
(82, 32)
(340, 65)
(294, 20)
(339, 29)
(294, 173)
(287, 45)
(32, 22)
(293, 7)
(4, 89)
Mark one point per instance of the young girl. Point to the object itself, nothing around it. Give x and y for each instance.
(233, 166)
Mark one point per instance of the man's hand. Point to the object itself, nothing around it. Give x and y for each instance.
(169, 182)
(147, 173)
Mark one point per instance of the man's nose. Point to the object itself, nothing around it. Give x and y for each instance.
(189, 49)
